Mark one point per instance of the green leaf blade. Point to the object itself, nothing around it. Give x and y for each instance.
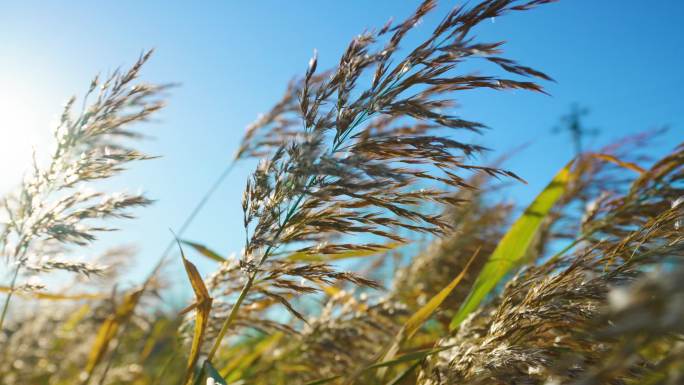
(205, 251)
(211, 372)
(512, 248)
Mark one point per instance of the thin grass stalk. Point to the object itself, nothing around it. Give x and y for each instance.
(158, 379)
(162, 259)
(248, 285)
(5, 306)
(13, 284)
(193, 214)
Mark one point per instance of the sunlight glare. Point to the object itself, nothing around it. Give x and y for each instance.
(23, 126)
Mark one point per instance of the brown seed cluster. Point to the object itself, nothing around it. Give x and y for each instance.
(355, 153)
(573, 319)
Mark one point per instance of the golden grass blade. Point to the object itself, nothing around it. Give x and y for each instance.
(512, 248)
(207, 252)
(408, 357)
(628, 165)
(239, 364)
(202, 308)
(159, 330)
(75, 318)
(322, 380)
(366, 252)
(419, 317)
(55, 296)
(405, 358)
(109, 329)
(403, 375)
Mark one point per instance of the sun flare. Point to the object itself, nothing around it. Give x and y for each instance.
(22, 128)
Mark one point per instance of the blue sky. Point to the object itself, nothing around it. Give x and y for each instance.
(622, 59)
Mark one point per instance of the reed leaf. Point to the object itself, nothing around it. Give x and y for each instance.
(54, 296)
(403, 375)
(613, 159)
(419, 317)
(202, 308)
(357, 253)
(205, 251)
(210, 372)
(239, 364)
(109, 329)
(404, 358)
(422, 315)
(512, 249)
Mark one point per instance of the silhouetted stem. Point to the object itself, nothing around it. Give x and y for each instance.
(195, 211)
(9, 297)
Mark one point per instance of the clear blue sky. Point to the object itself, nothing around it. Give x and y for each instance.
(622, 59)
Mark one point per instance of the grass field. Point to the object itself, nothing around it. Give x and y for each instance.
(378, 249)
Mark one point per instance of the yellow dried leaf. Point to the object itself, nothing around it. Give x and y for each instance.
(202, 308)
(419, 317)
(54, 296)
(313, 257)
(628, 165)
(110, 327)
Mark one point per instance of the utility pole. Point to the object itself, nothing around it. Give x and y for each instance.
(573, 123)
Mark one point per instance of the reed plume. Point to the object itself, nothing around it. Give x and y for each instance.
(366, 162)
(354, 166)
(543, 326)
